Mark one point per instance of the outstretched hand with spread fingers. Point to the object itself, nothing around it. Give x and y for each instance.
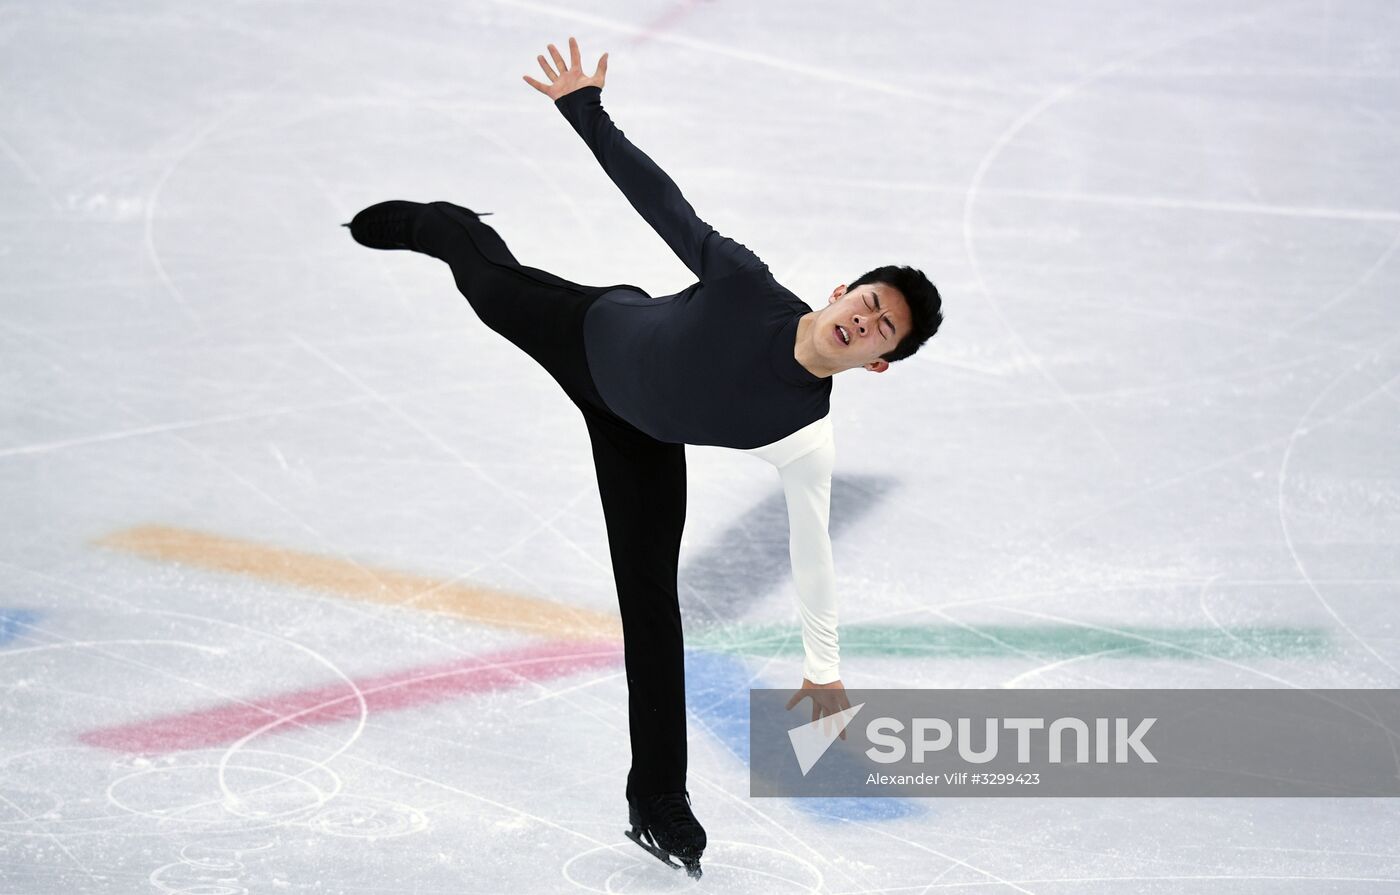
(569, 77)
(827, 700)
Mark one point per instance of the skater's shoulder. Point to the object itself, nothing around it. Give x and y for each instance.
(807, 442)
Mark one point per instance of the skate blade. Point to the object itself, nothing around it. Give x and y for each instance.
(691, 866)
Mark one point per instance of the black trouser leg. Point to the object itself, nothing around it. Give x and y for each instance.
(642, 485)
(538, 311)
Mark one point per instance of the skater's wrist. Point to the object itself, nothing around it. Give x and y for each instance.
(579, 93)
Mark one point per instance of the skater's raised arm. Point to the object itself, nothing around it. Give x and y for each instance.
(654, 195)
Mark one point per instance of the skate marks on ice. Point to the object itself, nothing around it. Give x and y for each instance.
(729, 865)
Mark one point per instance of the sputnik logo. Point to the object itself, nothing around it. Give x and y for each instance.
(811, 740)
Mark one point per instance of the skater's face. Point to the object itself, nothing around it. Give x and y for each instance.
(858, 325)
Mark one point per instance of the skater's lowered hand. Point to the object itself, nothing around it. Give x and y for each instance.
(569, 77)
(827, 699)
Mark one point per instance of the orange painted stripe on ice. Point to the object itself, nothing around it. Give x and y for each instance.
(346, 578)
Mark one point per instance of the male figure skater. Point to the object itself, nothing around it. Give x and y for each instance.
(734, 360)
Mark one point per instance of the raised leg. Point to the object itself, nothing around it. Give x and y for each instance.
(537, 310)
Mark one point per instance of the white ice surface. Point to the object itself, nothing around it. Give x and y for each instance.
(1165, 394)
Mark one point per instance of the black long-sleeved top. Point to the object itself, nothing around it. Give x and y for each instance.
(712, 364)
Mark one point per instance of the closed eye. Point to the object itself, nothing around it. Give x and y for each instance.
(877, 305)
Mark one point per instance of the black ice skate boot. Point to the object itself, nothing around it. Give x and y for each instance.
(385, 225)
(389, 225)
(669, 828)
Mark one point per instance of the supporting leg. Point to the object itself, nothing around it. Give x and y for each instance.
(642, 485)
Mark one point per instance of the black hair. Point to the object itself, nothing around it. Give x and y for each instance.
(925, 305)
